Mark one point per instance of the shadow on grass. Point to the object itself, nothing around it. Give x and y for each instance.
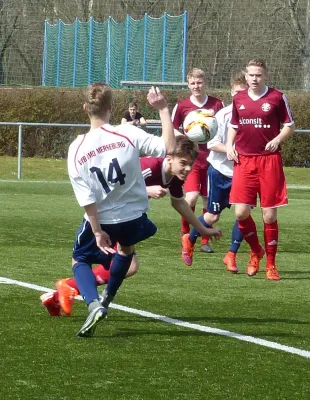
(126, 333)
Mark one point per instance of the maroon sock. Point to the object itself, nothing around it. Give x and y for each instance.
(248, 229)
(204, 239)
(185, 228)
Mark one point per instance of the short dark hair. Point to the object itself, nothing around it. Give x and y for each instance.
(133, 104)
(185, 148)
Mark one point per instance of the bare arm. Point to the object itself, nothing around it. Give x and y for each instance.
(157, 100)
(285, 132)
(231, 137)
(142, 121)
(102, 238)
(219, 148)
(184, 209)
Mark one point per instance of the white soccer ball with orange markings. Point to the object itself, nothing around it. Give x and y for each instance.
(200, 125)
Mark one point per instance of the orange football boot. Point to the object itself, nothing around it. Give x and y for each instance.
(230, 261)
(253, 265)
(272, 273)
(66, 295)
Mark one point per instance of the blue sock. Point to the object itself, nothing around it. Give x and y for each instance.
(236, 238)
(86, 281)
(194, 234)
(118, 270)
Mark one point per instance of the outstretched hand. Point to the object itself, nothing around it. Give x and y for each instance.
(156, 99)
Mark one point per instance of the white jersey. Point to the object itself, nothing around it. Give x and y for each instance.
(219, 160)
(104, 168)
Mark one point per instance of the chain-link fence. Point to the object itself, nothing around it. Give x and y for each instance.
(221, 35)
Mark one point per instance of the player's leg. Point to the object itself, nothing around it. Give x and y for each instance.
(68, 288)
(85, 253)
(209, 218)
(230, 259)
(273, 194)
(129, 234)
(245, 186)
(271, 238)
(191, 188)
(205, 247)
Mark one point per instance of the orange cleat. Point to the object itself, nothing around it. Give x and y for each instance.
(187, 250)
(230, 261)
(51, 303)
(66, 295)
(253, 265)
(271, 273)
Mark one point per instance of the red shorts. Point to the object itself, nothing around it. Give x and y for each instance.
(259, 175)
(196, 181)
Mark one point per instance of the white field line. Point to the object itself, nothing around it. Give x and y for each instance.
(201, 328)
(305, 187)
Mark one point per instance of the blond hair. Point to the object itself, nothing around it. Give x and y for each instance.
(196, 73)
(238, 79)
(257, 62)
(98, 99)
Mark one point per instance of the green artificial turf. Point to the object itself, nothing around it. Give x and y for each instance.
(138, 358)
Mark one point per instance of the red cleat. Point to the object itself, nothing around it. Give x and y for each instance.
(272, 273)
(253, 265)
(51, 303)
(66, 295)
(230, 261)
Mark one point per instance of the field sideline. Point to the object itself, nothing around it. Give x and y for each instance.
(185, 355)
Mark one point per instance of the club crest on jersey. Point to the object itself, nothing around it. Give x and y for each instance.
(266, 107)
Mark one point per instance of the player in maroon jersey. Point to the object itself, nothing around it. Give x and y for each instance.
(196, 182)
(261, 120)
(160, 175)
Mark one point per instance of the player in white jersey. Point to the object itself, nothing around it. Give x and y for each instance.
(105, 174)
(220, 174)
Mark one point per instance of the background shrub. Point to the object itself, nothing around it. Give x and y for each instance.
(54, 105)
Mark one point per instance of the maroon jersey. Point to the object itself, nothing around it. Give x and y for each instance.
(259, 121)
(183, 108)
(154, 174)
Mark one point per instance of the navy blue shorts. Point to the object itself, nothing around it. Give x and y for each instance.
(219, 190)
(125, 233)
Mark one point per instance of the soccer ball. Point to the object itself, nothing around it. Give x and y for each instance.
(200, 126)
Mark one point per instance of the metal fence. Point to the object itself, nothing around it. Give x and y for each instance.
(152, 126)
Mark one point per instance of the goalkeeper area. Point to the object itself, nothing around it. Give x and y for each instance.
(163, 338)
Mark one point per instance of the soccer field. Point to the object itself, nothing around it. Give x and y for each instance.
(202, 350)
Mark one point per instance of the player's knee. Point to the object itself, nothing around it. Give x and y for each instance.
(242, 212)
(211, 218)
(269, 215)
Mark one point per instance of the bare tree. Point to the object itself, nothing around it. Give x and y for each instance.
(302, 36)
